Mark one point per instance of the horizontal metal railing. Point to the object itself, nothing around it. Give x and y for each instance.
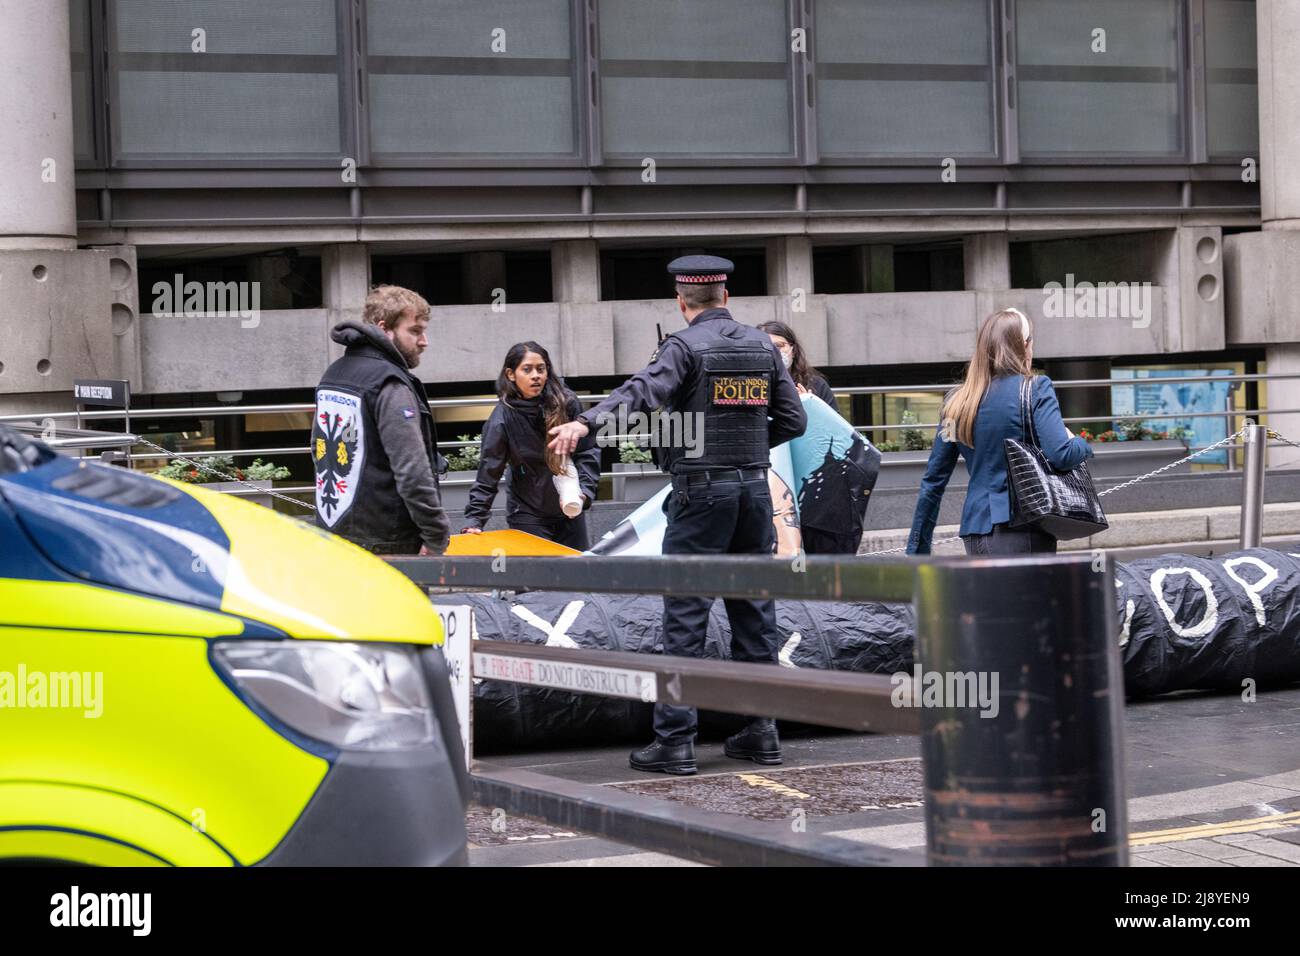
(220, 411)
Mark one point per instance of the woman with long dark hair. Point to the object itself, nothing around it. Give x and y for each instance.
(533, 400)
(806, 378)
(976, 417)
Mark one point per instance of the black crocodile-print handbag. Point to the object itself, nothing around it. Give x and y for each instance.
(1063, 504)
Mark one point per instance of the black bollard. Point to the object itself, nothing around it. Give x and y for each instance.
(1038, 778)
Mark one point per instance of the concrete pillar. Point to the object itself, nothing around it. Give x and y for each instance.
(587, 330)
(877, 267)
(37, 172)
(789, 265)
(575, 271)
(1277, 31)
(1278, 36)
(482, 273)
(987, 260)
(345, 275)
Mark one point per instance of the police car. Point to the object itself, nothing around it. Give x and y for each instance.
(188, 679)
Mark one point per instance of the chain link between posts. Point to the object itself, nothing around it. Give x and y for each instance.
(1133, 481)
(208, 469)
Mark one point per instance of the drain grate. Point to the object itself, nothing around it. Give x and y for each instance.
(768, 794)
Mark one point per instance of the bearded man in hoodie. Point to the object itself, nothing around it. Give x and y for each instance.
(374, 443)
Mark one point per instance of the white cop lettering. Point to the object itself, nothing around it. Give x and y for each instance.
(1252, 590)
(1211, 618)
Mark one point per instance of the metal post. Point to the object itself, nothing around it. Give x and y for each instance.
(1252, 486)
(1028, 768)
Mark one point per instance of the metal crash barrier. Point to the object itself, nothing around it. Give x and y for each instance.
(1017, 694)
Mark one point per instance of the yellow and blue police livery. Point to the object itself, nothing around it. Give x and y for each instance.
(187, 679)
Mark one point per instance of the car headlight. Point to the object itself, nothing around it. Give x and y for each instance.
(354, 696)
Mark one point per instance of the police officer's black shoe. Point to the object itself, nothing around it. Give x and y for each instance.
(678, 759)
(757, 742)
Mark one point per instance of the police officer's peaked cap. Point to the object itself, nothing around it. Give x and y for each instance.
(701, 270)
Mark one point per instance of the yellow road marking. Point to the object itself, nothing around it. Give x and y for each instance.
(758, 780)
(1202, 831)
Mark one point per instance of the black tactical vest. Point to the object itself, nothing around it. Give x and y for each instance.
(356, 492)
(728, 390)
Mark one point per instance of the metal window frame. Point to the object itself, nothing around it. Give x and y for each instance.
(995, 157)
(113, 100)
(576, 158)
(620, 161)
(1182, 69)
(1202, 75)
(94, 97)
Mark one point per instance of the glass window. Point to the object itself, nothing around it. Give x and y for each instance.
(1099, 78)
(1231, 80)
(492, 77)
(83, 130)
(685, 78)
(210, 78)
(911, 77)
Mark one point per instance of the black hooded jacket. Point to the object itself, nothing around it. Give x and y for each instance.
(374, 446)
(515, 438)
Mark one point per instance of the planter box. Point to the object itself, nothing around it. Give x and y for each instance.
(266, 501)
(456, 496)
(1128, 459)
(904, 469)
(637, 482)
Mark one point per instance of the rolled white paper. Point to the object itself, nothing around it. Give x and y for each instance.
(566, 485)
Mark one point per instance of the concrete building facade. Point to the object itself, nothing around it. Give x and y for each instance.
(887, 173)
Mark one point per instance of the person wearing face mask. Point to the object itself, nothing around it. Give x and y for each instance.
(728, 378)
(807, 379)
(373, 442)
(977, 417)
(533, 399)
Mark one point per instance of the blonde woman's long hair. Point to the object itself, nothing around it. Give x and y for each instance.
(1001, 348)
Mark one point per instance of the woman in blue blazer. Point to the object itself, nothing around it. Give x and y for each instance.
(976, 417)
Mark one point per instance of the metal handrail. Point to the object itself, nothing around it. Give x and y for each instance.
(219, 411)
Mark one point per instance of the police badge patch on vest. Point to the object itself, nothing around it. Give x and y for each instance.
(738, 390)
(337, 449)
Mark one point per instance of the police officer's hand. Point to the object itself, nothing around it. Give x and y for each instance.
(565, 438)
(471, 530)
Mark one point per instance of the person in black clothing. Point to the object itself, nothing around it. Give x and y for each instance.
(806, 378)
(728, 378)
(373, 444)
(533, 400)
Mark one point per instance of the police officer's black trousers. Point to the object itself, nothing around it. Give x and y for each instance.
(728, 516)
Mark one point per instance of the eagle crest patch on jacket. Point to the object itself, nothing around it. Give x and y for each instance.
(337, 449)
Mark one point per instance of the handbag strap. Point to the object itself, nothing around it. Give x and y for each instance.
(1026, 413)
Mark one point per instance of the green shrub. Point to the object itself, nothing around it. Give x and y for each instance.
(467, 458)
(913, 439)
(630, 453)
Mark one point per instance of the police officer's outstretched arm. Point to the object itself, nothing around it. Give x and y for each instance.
(651, 388)
(586, 459)
(787, 418)
(403, 442)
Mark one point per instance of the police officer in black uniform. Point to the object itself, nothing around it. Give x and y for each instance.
(730, 376)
